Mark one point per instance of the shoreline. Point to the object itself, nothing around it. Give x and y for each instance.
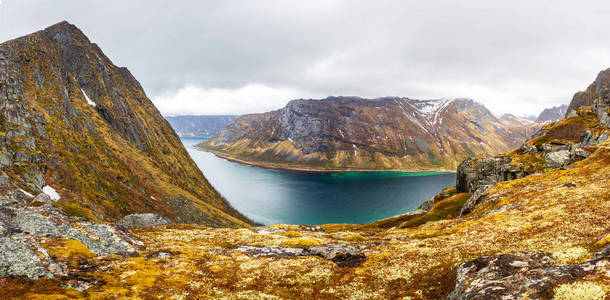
(303, 169)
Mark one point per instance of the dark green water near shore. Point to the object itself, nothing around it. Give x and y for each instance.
(276, 196)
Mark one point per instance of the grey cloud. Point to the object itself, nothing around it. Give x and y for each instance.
(513, 56)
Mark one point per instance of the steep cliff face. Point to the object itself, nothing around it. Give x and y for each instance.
(596, 95)
(199, 126)
(73, 120)
(356, 133)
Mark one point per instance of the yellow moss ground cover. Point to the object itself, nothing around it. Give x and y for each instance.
(417, 262)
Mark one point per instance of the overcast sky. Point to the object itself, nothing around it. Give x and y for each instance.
(233, 57)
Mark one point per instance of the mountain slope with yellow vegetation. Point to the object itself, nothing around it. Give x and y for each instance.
(542, 236)
(533, 223)
(74, 121)
(352, 133)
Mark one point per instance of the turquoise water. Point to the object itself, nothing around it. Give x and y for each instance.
(275, 196)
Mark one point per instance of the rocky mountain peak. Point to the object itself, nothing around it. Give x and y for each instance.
(386, 132)
(597, 95)
(552, 114)
(72, 119)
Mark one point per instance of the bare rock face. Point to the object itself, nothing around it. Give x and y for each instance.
(143, 220)
(557, 159)
(480, 196)
(474, 173)
(522, 274)
(596, 95)
(342, 255)
(381, 133)
(22, 229)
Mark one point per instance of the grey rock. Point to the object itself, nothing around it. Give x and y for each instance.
(557, 159)
(143, 220)
(554, 147)
(21, 255)
(578, 154)
(43, 198)
(474, 173)
(572, 114)
(271, 251)
(265, 230)
(188, 213)
(527, 149)
(480, 196)
(109, 240)
(333, 251)
(22, 227)
(342, 255)
(520, 275)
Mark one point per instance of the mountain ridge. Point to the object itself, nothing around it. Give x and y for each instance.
(74, 120)
(388, 133)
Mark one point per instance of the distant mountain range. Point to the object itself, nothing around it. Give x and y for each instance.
(552, 114)
(199, 126)
(356, 133)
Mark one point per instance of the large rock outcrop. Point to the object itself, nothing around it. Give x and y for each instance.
(71, 119)
(24, 229)
(523, 274)
(474, 173)
(596, 95)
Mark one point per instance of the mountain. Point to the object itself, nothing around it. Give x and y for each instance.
(199, 126)
(595, 96)
(529, 223)
(514, 121)
(518, 225)
(595, 90)
(552, 114)
(74, 123)
(355, 133)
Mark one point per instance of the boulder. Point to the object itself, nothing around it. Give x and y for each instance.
(23, 227)
(577, 154)
(42, 198)
(474, 173)
(557, 159)
(527, 149)
(554, 147)
(531, 275)
(480, 196)
(143, 220)
(271, 251)
(342, 255)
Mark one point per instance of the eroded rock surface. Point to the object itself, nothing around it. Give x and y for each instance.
(521, 274)
(143, 220)
(343, 255)
(22, 229)
(476, 172)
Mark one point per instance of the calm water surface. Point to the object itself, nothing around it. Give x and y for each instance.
(275, 196)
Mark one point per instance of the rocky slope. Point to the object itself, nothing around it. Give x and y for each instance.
(356, 133)
(72, 120)
(529, 224)
(542, 236)
(199, 126)
(495, 236)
